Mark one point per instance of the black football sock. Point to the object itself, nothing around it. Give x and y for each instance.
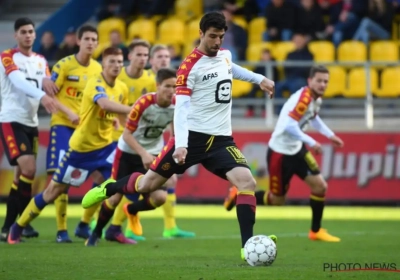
(12, 209)
(246, 214)
(144, 204)
(25, 192)
(260, 197)
(317, 203)
(105, 215)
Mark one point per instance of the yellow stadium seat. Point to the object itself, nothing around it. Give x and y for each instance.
(172, 30)
(188, 9)
(240, 88)
(106, 26)
(282, 49)
(323, 51)
(387, 51)
(192, 31)
(187, 49)
(145, 29)
(256, 29)
(239, 20)
(357, 82)
(390, 86)
(253, 51)
(352, 51)
(337, 82)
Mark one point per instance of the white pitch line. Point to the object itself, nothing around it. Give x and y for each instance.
(220, 237)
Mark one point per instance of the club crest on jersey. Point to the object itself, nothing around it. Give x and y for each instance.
(210, 76)
(73, 78)
(228, 62)
(40, 65)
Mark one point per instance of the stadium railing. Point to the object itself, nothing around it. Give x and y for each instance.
(367, 107)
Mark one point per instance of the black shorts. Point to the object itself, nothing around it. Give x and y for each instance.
(281, 168)
(125, 164)
(18, 140)
(218, 154)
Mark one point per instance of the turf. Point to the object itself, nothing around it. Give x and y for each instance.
(369, 235)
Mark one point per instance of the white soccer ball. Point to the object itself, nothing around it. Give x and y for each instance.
(260, 250)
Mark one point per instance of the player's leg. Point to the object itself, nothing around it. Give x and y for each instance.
(73, 170)
(308, 170)
(33, 209)
(82, 230)
(171, 230)
(58, 146)
(11, 206)
(227, 162)
(20, 143)
(106, 168)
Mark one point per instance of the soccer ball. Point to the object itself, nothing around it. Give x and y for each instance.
(260, 250)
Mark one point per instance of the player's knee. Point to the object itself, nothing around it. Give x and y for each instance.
(171, 183)
(53, 191)
(159, 197)
(27, 164)
(320, 187)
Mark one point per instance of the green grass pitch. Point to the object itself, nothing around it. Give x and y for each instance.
(369, 235)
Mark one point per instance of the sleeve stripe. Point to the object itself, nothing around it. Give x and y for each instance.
(301, 105)
(98, 96)
(294, 116)
(183, 91)
(8, 62)
(137, 111)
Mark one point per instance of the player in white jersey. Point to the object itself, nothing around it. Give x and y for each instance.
(202, 126)
(23, 73)
(141, 141)
(287, 153)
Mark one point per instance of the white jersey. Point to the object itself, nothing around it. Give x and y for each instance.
(148, 121)
(16, 106)
(208, 81)
(301, 107)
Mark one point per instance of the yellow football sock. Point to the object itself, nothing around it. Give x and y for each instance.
(61, 204)
(169, 211)
(89, 212)
(31, 212)
(119, 214)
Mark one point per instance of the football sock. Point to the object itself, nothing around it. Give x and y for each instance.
(61, 204)
(12, 207)
(119, 215)
(105, 215)
(144, 204)
(126, 185)
(246, 214)
(317, 203)
(260, 197)
(25, 191)
(32, 210)
(169, 210)
(96, 213)
(89, 212)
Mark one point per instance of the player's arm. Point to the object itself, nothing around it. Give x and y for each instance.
(184, 86)
(74, 118)
(322, 128)
(292, 126)
(101, 99)
(243, 74)
(130, 127)
(48, 84)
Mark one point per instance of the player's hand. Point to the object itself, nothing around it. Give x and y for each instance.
(268, 86)
(74, 118)
(180, 155)
(116, 123)
(49, 104)
(337, 142)
(147, 160)
(317, 148)
(49, 87)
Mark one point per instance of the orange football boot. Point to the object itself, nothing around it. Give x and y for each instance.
(322, 235)
(133, 221)
(230, 200)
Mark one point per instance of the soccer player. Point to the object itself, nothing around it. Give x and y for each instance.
(23, 73)
(70, 74)
(91, 143)
(140, 143)
(202, 126)
(287, 153)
